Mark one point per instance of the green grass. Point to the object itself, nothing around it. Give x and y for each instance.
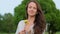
(45, 33)
(56, 32)
(7, 33)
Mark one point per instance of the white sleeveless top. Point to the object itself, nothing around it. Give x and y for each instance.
(21, 26)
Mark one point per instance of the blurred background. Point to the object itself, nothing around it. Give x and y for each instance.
(12, 11)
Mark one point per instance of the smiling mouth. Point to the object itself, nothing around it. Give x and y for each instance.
(31, 12)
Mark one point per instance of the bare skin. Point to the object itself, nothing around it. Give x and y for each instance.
(32, 11)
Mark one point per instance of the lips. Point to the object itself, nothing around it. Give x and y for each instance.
(31, 12)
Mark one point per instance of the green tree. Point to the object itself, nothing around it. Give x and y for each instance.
(8, 25)
(51, 13)
(1, 21)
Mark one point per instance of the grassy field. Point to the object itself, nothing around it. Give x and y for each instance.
(56, 33)
(14, 33)
(7, 33)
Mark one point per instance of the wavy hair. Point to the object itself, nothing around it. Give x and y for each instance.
(39, 23)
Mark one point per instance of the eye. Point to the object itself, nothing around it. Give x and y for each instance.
(30, 7)
(34, 8)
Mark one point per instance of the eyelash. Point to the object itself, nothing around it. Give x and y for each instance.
(33, 7)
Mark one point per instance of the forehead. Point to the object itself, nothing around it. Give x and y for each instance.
(32, 3)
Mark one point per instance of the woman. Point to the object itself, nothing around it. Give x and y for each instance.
(35, 22)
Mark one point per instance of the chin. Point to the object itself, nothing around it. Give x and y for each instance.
(32, 15)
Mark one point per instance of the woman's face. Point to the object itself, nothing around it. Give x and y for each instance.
(32, 9)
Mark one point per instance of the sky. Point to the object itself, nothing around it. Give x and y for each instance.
(57, 3)
(7, 6)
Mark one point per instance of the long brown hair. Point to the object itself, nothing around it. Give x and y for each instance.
(39, 23)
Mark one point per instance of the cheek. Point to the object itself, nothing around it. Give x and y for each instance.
(35, 11)
(31, 12)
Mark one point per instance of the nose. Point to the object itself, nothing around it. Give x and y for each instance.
(32, 9)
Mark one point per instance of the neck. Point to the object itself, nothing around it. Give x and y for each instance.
(31, 19)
